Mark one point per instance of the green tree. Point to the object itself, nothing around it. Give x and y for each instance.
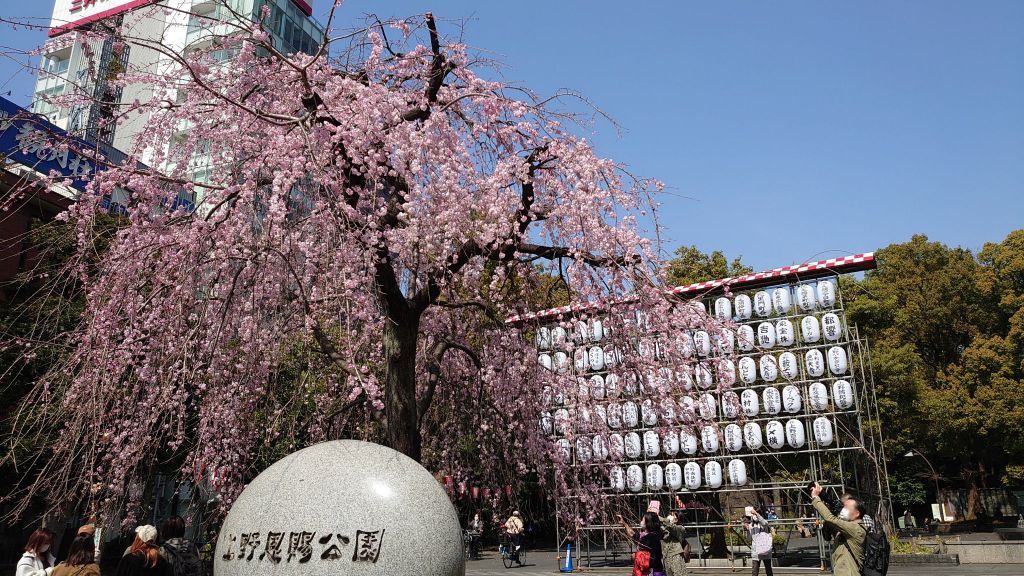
(690, 265)
(946, 330)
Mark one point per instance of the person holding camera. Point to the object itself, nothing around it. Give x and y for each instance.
(760, 540)
(849, 532)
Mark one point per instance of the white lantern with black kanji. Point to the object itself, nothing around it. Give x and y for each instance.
(691, 475)
(634, 478)
(713, 474)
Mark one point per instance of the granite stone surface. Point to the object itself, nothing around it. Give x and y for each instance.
(342, 507)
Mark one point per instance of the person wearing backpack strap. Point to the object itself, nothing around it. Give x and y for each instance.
(180, 553)
(848, 541)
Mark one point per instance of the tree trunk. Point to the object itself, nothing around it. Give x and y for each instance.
(400, 340)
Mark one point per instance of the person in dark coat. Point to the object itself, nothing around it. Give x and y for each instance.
(143, 557)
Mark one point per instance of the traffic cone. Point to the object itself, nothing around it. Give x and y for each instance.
(568, 559)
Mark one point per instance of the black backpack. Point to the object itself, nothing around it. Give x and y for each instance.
(876, 553)
(183, 558)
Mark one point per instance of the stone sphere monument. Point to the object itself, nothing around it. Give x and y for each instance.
(342, 507)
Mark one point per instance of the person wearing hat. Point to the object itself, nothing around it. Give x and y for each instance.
(760, 540)
(514, 528)
(143, 557)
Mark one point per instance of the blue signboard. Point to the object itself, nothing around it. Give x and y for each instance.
(31, 140)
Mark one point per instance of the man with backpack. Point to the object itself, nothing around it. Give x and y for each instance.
(856, 550)
(180, 553)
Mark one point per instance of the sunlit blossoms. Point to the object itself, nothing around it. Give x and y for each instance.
(364, 224)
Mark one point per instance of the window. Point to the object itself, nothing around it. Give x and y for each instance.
(56, 63)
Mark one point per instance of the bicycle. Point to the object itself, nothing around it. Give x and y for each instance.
(509, 553)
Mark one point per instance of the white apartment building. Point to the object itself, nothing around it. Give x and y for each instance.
(179, 25)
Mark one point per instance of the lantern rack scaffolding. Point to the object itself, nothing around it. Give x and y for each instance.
(853, 461)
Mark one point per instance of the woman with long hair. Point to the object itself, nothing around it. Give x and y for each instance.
(143, 557)
(81, 558)
(37, 560)
(648, 560)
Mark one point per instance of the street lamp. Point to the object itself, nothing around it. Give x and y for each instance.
(935, 477)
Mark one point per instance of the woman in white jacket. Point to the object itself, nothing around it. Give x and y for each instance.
(37, 560)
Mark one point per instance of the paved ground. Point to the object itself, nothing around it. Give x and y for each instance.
(543, 563)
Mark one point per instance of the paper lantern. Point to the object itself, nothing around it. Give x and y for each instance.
(810, 329)
(611, 356)
(584, 421)
(655, 477)
(652, 444)
(687, 409)
(545, 361)
(737, 472)
(685, 345)
(602, 414)
(726, 341)
(559, 397)
(765, 335)
(691, 475)
(581, 334)
(772, 400)
(752, 436)
(745, 338)
(687, 441)
(547, 396)
(743, 307)
(673, 476)
(616, 446)
(782, 300)
(648, 414)
(838, 363)
(611, 386)
(684, 377)
(775, 434)
(763, 304)
(702, 375)
(583, 453)
(561, 362)
(823, 431)
(791, 399)
(581, 360)
(814, 362)
(730, 404)
(634, 478)
(702, 342)
(630, 415)
(726, 372)
(831, 327)
(748, 370)
(842, 394)
(614, 415)
(600, 448)
(564, 448)
(805, 297)
(558, 337)
(769, 368)
(749, 401)
(788, 366)
(697, 307)
(596, 330)
(582, 389)
(546, 423)
(617, 479)
(596, 355)
(733, 438)
(543, 338)
(632, 385)
(633, 446)
(795, 433)
(784, 333)
(667, 409)
(723, 308)
(562, 421)
(597, 387)
(713, 474)
(826, 293)
(670, 443)
(707, 408)
(817, 394)
(709, 439)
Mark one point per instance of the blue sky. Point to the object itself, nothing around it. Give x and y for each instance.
(786, 131)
